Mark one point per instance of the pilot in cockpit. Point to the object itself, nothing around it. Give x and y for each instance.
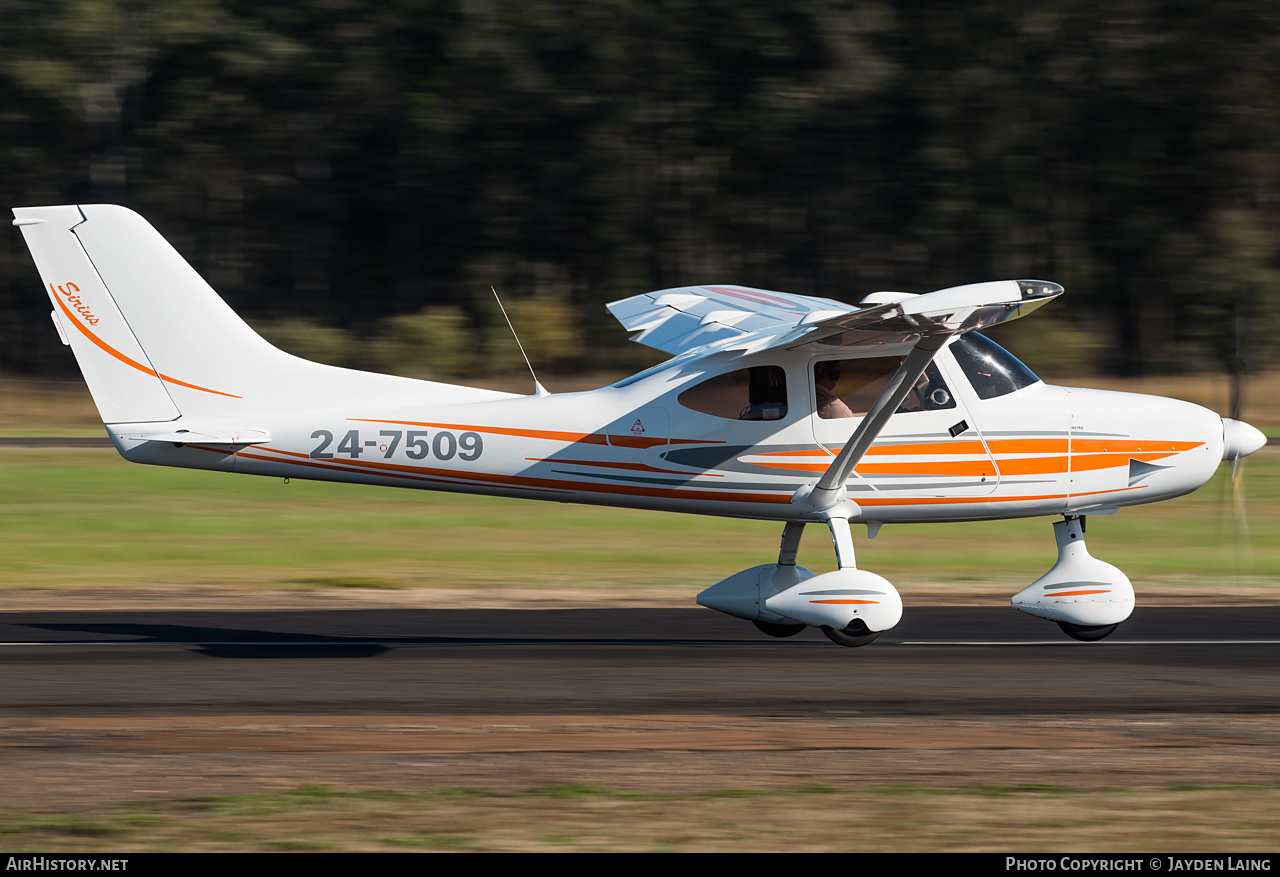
(826, 376)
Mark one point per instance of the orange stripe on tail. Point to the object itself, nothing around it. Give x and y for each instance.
(132, 363)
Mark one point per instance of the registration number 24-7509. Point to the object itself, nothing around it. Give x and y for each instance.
(418, 444)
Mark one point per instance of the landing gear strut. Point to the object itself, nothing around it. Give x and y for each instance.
(851, 606)
(1086, 597)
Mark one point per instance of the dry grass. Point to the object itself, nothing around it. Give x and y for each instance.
(587, 818)
(89, 520)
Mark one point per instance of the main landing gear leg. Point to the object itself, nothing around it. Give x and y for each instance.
(790, 547)
(856, 633)
(842, 542)
(851, 606)
(787, 552)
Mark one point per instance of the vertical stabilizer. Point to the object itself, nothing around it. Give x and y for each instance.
(156, 343)
(208, 358)
(125, 385)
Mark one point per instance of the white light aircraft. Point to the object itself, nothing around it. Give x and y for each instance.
(775, 407)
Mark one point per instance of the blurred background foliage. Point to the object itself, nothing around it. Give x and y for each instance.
(353, 177)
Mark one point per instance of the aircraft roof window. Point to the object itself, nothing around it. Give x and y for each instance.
(755, 393)
(849, 387)
(992, 370)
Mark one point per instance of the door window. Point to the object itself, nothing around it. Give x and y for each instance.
(849, 387)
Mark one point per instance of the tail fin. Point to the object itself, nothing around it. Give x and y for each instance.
(124, 383)
(155, 342)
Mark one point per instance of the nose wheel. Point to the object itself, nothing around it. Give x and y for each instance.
(1087, 598)
(1087, 633)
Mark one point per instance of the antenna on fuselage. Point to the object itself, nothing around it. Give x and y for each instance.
(538, 389)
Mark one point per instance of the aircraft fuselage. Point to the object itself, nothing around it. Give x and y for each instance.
(1035, 450)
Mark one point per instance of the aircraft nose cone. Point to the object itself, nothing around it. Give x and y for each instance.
(1239, 439)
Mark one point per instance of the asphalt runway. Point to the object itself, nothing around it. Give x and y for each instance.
(937, 662)
(99, 707)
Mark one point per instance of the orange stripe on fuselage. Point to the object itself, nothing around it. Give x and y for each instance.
(340, 466)
(1086, 455)
(523, 481)
(930, 448)
(591, 438)
(980, 468)
(975, 468)
(1032, 446)
(399, 470)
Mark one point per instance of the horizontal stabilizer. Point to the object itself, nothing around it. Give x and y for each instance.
(205, 437)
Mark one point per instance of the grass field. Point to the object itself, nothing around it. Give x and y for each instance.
(89, 519)
(86, 518)
(575, 818)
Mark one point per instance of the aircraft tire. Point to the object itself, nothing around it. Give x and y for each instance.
(1087, 633)
(851, 639)
(774, 628)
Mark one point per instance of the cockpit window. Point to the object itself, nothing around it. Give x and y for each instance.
(992, 370)
(849, 387)
(756, 393)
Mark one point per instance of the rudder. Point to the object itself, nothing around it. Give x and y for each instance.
(157, 343)
(125, 385)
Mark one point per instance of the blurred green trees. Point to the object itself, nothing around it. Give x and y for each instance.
(353, 175)
(436, 342)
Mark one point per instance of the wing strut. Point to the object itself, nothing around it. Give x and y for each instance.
(830, 488)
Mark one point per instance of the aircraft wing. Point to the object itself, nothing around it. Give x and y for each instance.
(683, 319)
(695, 320)
(740, 318)
(932, 318)
(952, 311)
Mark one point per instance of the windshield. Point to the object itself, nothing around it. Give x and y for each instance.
(992, 370)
